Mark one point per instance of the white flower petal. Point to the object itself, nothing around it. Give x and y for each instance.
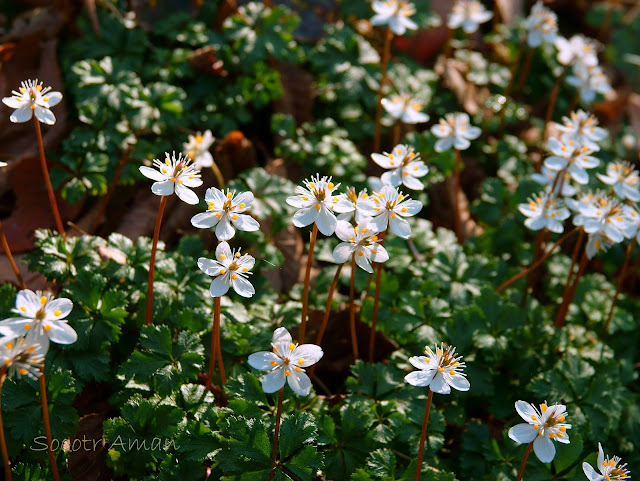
(419, 378)
(44, 115)
(224, 229)
(523, 433)
(281, 336)
(13, 102)
(61, 332)
(310, 353)
(342, 252)
(204, 220)
(186, 195)
(305, 216)
(208, 266)
(246, 223)
(326, 221)
(54, 98)
(544, 448)
(152, 174)
(457, 381)
(274, 381)
(162, 188)
(399, 227)
(63, 305)
(262, 360)
(438, 385)
(219, 287)
(23, 114)
(242, 286)
(299, 382)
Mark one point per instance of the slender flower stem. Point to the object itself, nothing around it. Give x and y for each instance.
(423, 436)
(376, 302)
(215, 333)
(537, 250)
(3, 443)
(552, 102)
(566, 302)
(47, 425)
(524, 461)
(569, 282)
(537, 263)
(223, 375)
(219, 177)
(456, 197)
(397, 132)
(114, 183)
(152, 260)
(7, 251)
(276, 434)
(47, 179)
(514, 70)
(621, 278)
(352, 309)
(307, 279)
(386, 55)
(525, 71)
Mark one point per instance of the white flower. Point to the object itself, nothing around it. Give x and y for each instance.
(391, 206)
(406, 167)
(563, 185)
(604, 214)
(624, 179)
(359, 206)
(286, 363)
(174, 175)
(404, 108)
(543, 426)
(583, 129)
(395, 14)
(32, 98)
(469, 14)
(454, 131)
(362, 240)
(544, 212)
(598, 242)
(542, 25)
(224, 212)
(590, 80)
(230, 269)
(577, 49)
(22, 356)
(42, 317)
(609, 469)
(440, 370)
(572, 156)
(316, 203)
(197, 149)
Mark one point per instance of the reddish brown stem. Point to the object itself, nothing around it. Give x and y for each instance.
(7, 251)
(352, 309)
(569, 282)
(535, 265)
(386, 55)
(223, 375)
(3, 442)
(423, 436)
(47, 179)
(621, 278)
(524, 461)
(566, 302)
(537, 250)
(276, 434)
(152, 260)
(376, 302)
(525, 71)
(456, 197)
(397, 133)
(114, 183)
(47, 425)
(552, 103)
(307, 280)
(215, 333)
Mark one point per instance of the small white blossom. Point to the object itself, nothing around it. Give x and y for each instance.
(174, 175)
(32, 98)
(598, 242)
(541, 427)
(404, 108)
(286, 363)
(583, 129)
(542, 25)
(229, 269)
(604, 215)
(610, 468)
(454, 130)
(316, 203)
(624, 179)
(197, 149)
(405, 166)
(357, 206)
(577, 49)
(22, 356)
(572, 156)
(468, 14)
(42, 317)
(440, 370)
(589, 80)
(544, 212)
(395, 14)
(224, 212)
(391, 207)
(361, 240)
(562, 185)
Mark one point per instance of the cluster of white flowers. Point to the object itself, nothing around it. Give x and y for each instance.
(25, 338)
(468, 14)
(541, 25)
(395, 14)
(404, 108)
(607, 218)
